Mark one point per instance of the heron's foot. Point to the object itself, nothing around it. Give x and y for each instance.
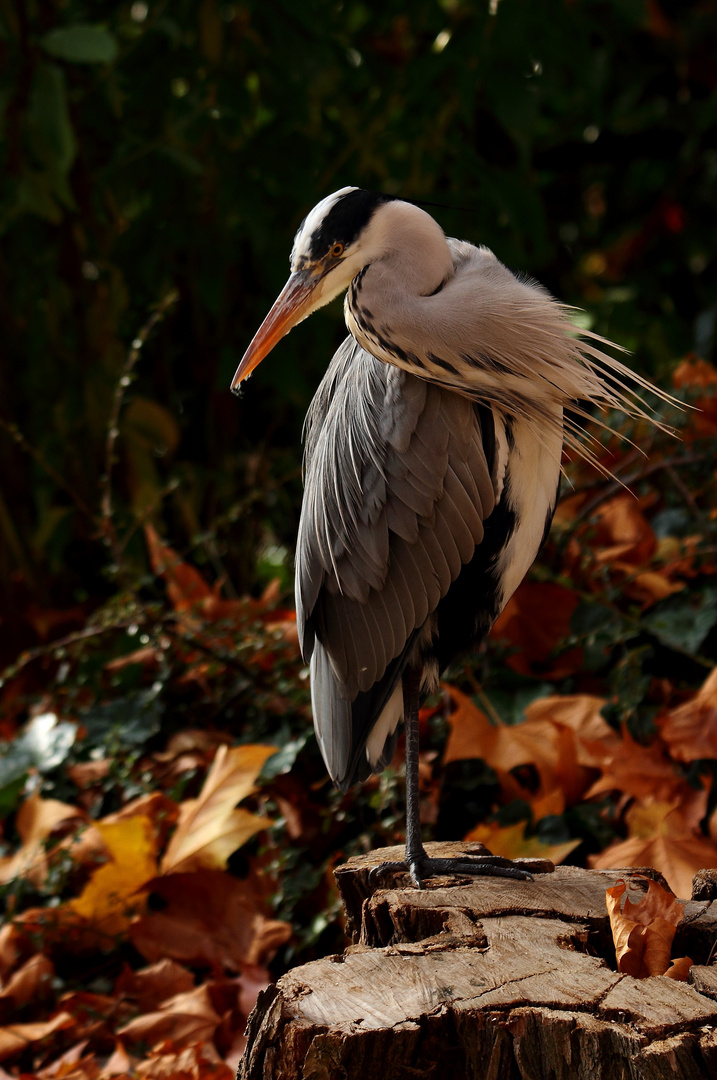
(421, 866)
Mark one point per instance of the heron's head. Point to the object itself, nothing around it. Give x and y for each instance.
(341, 235)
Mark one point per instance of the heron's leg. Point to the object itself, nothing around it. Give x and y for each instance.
(415, 852)
(418, 862)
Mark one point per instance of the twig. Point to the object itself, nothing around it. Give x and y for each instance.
(614, 487)
(107, 524)
(17, 436)
(39, 651)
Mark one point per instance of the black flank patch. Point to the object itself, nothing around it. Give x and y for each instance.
(442, 363)
(346, 219)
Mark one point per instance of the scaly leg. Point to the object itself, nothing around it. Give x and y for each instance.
(418, 863)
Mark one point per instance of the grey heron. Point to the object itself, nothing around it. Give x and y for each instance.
(432, 462)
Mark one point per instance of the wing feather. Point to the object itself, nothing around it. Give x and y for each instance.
(397, 489)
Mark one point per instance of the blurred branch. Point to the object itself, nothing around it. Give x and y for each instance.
(107, 528)
(17, 436)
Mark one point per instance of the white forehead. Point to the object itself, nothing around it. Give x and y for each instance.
(312, 221)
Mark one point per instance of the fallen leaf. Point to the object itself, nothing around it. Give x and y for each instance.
(536, 621)
(184, 1019)
(550, 746)
(31, 983)
(210, 919)
(153, 985)
(697, 374)
(16, 1038)
(511, 842)
(111, 897)
(210, 829)
(659, 837)
(643, 932)
(622, 532)
(644, 772)
(199, 1062)
(37, 820)
(690, 730)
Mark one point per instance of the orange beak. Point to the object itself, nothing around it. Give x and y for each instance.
(291, 306)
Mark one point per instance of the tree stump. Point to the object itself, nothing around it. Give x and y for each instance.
(486, 979)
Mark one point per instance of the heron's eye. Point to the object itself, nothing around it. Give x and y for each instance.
(337, 249)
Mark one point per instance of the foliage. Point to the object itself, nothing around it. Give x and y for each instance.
(157, 159)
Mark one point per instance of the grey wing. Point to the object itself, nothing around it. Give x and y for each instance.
(397, 486)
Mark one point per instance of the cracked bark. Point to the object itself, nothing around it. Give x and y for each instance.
(486, 980)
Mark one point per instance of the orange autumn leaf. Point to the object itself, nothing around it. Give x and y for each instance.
(152, 985)
(622, 532)
(643, 772)
(547, 744)
(690, 730)
(659, 835)
(535, 621)
(698, 375)
(37, 820)
(188, 1017)
(643, 932)
(511, 842)
(111, 897)
(16, 1038)
(210, 829)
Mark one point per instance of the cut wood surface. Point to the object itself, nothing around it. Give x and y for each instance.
(487, 979)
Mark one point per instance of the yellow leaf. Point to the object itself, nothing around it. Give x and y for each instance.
(210, 828)
(110, 900)
(511, 842)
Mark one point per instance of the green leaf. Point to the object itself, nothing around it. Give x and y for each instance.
(48, 118)
(684, 622)
(81, 44)
(128, 721)
(43, 745)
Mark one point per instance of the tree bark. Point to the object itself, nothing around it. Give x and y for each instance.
(486, 979)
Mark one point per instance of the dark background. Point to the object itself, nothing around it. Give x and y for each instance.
(152, 147)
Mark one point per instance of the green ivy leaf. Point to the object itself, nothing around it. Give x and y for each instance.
(684, 621)
(81, 44)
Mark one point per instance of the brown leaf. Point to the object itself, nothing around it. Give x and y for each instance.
(153, 985)
(547, 744)
(643, 932)
(210, 920)
(644, 772)
(15, 1038)
(210, 829)
(697, 374)
(31, 983)
(37, 820)
(659, 836)
(185, 1019)
(690, 730)
(536, 620)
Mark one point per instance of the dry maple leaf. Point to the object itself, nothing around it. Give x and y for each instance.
(660, 835)
(547, 744)
(209, 919)
(643, 772)
(186, 1018)
(511, 842)
(210, 829)
(690, 730)
(18, 1037)
(643, 932)
(536, 620)
(37, 820)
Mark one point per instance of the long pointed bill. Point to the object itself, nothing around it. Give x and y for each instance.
(291, 306)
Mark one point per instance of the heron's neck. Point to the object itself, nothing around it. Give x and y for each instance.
(407, 253)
